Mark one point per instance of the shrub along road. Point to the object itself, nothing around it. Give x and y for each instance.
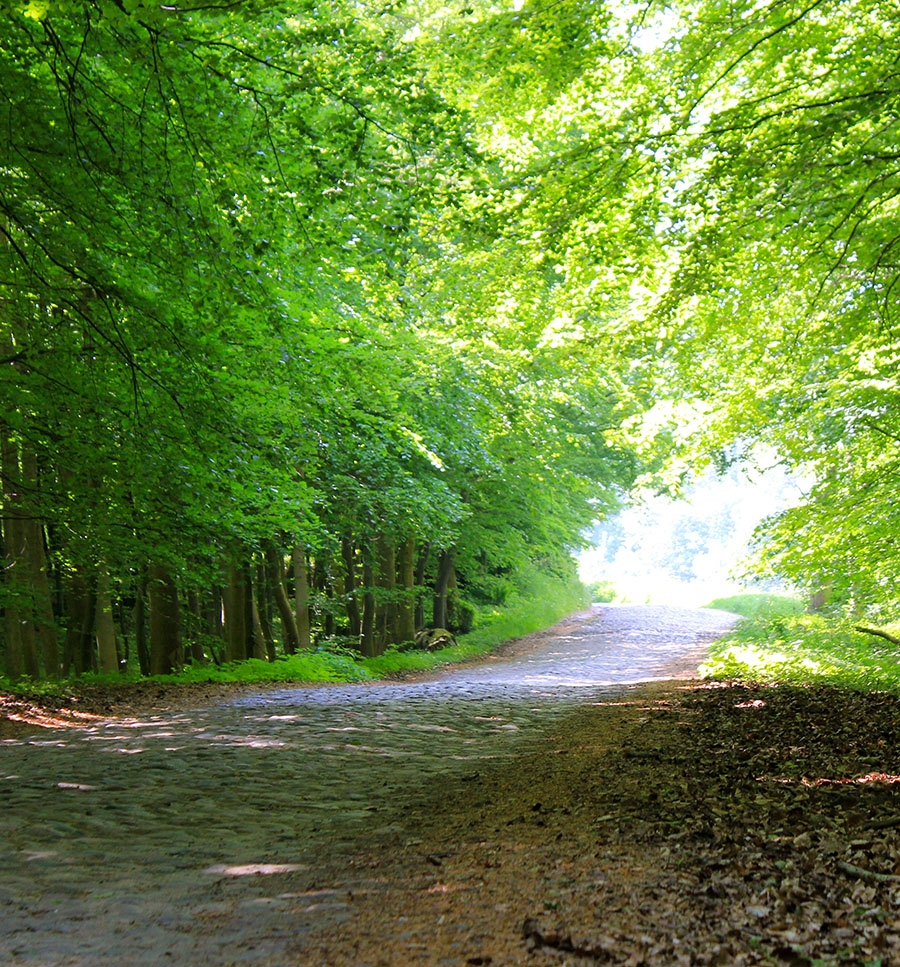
(523, 810)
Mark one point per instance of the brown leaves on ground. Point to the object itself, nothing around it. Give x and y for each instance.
(698, 825)
(75, 705)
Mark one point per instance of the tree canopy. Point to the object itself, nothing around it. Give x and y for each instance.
(358, 302)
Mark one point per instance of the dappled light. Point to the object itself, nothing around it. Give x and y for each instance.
(340, 342)
(253, 869)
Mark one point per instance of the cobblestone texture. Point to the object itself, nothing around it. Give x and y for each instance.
(206, 836)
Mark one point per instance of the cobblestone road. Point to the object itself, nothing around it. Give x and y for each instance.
(200, 837)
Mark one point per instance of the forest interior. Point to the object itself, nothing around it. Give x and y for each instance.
(326, 325)
(331, 332)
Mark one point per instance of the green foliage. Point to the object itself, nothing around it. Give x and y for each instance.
(314, 666)
(776, 307)
(601, 591)
(759, 605)
(542, 599)
(804, 650)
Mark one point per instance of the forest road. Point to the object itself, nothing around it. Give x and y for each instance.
(210, 836)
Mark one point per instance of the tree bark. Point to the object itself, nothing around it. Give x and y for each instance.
(406, 614)
(367, 635)
(259, 639)
(197, 623)
(421, 568)
(21, 644)
(237, 621)
(262, 613)
(276, 583)
(354, 619)
(44, 621)
(80, 605)
(140, 626)
(164, 638)
(301, 595)
(105, 626)
(385, 580)
(441, 586)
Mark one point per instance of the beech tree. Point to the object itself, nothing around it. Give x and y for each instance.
(286, 314)
(778, 303)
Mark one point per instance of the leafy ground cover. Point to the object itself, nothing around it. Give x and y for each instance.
(699, 824)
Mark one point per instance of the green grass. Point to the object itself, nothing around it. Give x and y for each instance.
(759, 605)
(804, 650)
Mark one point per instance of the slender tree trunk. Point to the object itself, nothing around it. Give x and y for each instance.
(44, 621)
(406, 615)
(164, 638)
(453, 610)
(105, 625)
(421, 568)
(197, 623)
(261, 615)
(385, 620)
(237, 620)
(21, 643)
(276, 584)
(259, 640)
(140, 626)
(301, 595)
(441, 586)
(354, 619)
(80, 605)
(324, 582)
(367, 636)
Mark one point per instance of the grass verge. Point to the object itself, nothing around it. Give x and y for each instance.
(759, 605)
(804, 649)
(547, 602)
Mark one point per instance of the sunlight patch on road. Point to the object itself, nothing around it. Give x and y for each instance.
(255, 869)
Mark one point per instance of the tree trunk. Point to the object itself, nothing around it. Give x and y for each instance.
(367, 636)
(301, 595)
(259, 638)
(164, 639)
(197, 626)
(21, 644)
(406, 610)
(140, 627)
(386, 580)
(324, 583)
(237, 621)
(105, 625)
(354, 620)
(80, 605)
(421, 568)
(441, 586)
(262, 613)
(276, 583)
(44, 621)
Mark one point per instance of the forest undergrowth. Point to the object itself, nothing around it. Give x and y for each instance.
(687, 823)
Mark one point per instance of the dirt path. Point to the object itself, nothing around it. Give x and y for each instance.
(289, 826)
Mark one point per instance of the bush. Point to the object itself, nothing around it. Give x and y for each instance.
(602, 591)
